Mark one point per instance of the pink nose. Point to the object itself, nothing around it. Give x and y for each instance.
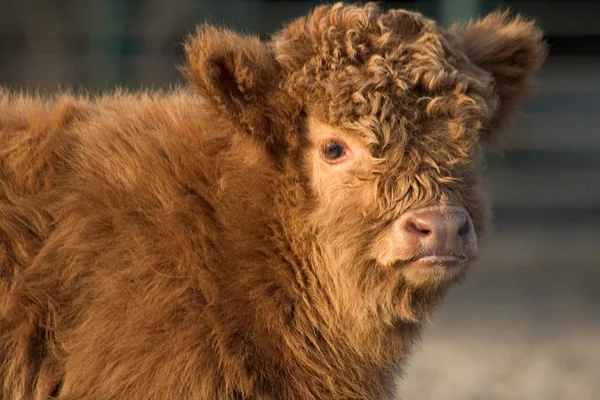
(433, 228)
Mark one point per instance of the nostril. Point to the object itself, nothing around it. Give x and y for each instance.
(419, 227)
(464, 229)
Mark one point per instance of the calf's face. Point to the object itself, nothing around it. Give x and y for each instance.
(377, 210)
(381, 115)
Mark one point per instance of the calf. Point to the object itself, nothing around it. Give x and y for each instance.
(280, 230)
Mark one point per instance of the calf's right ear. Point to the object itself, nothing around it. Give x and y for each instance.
(236, 73)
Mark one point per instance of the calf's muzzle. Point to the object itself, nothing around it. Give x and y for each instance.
(437, 234)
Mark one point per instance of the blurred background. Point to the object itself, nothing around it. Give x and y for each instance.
(526, 324)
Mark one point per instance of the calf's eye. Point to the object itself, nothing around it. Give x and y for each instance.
(333, 150)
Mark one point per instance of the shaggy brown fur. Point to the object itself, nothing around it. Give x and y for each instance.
(192, 244)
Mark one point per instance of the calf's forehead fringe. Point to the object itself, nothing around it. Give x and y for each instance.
(382, 73)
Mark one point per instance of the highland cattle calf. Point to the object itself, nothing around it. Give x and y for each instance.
(280, 230)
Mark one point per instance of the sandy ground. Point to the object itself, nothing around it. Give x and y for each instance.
(505, 359)
(524, 325)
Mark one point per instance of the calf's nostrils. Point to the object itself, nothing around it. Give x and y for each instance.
(438, 230)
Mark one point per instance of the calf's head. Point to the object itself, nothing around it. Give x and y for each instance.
(376, 120)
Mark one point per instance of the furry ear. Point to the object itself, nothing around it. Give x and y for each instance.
(511, 50)
(234, 72)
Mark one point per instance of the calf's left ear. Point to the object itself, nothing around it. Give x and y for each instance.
(236, 73)
(511, 50)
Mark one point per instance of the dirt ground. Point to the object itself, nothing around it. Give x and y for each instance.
(524, 325)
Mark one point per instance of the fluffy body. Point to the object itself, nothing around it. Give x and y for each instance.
(191, 244)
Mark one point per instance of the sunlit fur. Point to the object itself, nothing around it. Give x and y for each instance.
(193, 244)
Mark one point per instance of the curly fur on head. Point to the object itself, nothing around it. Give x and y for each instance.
(200, 244)
(421, 97)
